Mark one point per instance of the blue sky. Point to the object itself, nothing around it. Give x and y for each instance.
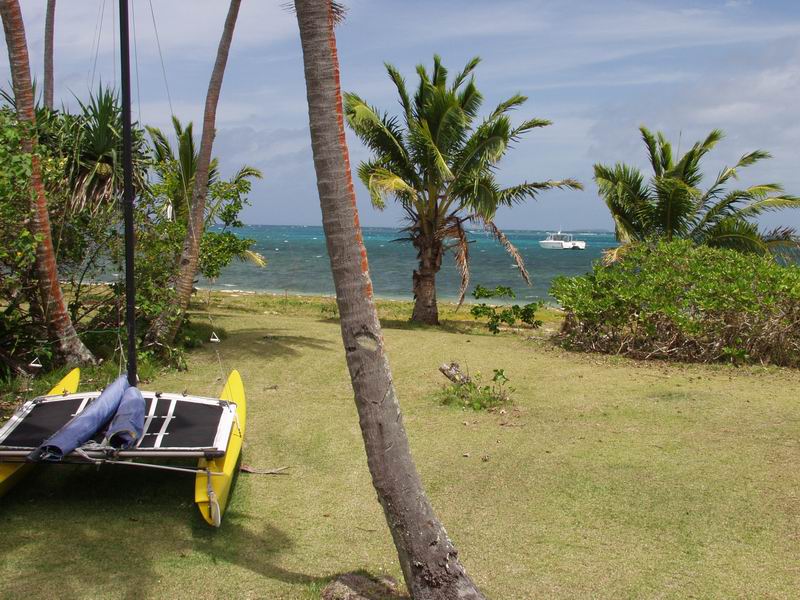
(598, 69)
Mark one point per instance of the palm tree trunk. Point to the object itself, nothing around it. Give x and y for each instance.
(59, 325)
(166, 326)
(49, 32)
(429, 252)
(427, 556)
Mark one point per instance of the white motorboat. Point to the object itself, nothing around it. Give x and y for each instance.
(562, 241)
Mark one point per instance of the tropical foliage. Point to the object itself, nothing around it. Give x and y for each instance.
(677, 300)
(439, 161)
(672, 203)
(507, 314)
(81, 173)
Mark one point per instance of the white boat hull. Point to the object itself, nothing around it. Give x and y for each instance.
(562, 245)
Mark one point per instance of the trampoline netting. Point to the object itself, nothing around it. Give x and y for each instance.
(174, 426)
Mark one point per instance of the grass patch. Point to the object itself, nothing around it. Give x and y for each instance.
(607, 479)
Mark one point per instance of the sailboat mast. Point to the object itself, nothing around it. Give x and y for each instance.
(127, 190)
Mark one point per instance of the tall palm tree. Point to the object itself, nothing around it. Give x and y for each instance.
(439, 163)
(165, 327)
(59, 325)
(427, 556)
(673, 205)
(49, 34)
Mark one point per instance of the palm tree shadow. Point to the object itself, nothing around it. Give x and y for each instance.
(238, 545)
(271, 343)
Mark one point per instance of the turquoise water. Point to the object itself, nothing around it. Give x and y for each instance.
(298, 262)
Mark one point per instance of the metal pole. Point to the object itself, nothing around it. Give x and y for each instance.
(127, 190)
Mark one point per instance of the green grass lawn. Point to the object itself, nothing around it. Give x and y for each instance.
(607, 478)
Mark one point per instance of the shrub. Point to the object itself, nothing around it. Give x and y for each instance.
(472, 393)
(679, 301)
(508, 314)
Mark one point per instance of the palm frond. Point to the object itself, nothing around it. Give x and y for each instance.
(528, 190)
(454, 229)
(402, 91)
(510, 248)
(254, 258)
(628, 200)
(465, 72)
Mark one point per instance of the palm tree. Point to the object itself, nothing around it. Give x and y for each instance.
(165, 327)
(427, 556)
(673, 205)
(49, 34)
(60, 328)
(440, 165)
(176, 172)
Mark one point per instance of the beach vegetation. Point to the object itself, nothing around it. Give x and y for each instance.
(473, 393)
(506, 314)
(48, 298)
(439, 160)
(678, 301)
(672, 204)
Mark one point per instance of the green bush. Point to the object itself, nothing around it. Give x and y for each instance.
(678, 301)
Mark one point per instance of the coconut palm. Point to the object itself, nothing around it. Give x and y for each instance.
(176, 170)
(429, 560)
(440, 163)
(673, 205)
(165, 327)
(60, 327)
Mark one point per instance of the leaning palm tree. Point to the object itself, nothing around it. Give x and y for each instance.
(166, 325)
(439, 163)
(429, 560)
(672, 204)
(60, 328)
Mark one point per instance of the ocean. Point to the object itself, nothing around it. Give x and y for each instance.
(297, 263)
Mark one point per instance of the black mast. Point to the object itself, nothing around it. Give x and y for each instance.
(127, 190)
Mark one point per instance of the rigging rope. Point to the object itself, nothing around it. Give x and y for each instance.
(136, 65)
(99, 31)
(161, 57)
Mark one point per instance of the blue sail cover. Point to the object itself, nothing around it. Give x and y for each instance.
(83, 426)
(128, 424)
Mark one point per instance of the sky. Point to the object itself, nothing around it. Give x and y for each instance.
(597, 68)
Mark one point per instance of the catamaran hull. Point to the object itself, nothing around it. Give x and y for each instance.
(211, 492)
(11, 473)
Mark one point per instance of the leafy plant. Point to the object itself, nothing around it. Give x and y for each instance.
(473, 393)
(674, 300)
(508, 314)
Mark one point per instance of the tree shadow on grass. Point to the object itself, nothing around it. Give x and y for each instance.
(75, 532)
(238, 545)
(272, 343)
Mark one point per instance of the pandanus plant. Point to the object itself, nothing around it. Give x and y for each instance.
(439, 162)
